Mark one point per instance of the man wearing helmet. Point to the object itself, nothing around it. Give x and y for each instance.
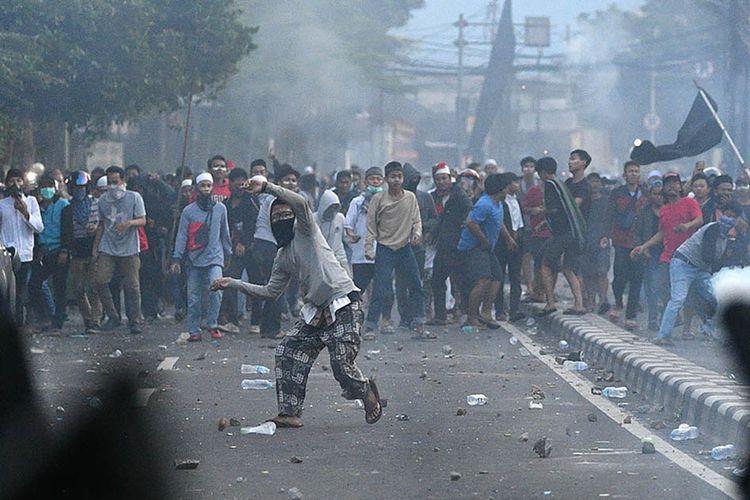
(79, 222)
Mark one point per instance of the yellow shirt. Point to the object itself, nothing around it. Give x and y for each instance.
(392, 221)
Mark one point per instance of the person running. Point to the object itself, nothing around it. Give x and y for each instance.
(331, 314)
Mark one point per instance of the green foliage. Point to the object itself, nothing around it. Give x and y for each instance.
(90, 62)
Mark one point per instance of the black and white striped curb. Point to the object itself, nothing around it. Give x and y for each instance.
(717, 405)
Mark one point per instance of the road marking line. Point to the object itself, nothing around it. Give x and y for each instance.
(583, 387)
(143, 395)
(168, 363)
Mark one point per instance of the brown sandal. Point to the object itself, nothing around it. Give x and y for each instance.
(372, 412)
(281, 422)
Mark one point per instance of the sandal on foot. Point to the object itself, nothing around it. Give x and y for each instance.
(282, 421)
(530, 299)
(574, 312)
(489, 323)
(546, 312)
(425, 335)
(373, 412)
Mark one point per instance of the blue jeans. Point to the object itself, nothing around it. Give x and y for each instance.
(681, 276)
(651, 287)
(405, 264)
(198, 280)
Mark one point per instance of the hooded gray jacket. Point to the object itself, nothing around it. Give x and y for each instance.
(331, 224)
(322, 279)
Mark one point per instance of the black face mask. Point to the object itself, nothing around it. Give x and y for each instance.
(283, 231)
(13, 191)
(204, 201)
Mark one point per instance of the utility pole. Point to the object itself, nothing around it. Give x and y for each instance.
(653, 103)
(460, 125)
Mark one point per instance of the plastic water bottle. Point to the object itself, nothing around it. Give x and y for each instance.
(267, 428)
(615, 392)
(513, 340)
(530, 321)
(476, 399)
(256, 384)
(248, 369)
(723, 452)
(563, 345)
(684, 432)
(576, 366)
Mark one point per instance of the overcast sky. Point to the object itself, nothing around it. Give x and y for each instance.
(561, 12)
(433, 23)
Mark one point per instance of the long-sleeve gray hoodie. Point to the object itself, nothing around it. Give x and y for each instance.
(219, 243)
(322, 279)
(331, 223)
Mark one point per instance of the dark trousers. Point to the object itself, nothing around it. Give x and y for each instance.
(42, 269)
(229, 304)
(627, 272)
(298, 350)
(22, 292)
(443, 267)
(151, 283)
(362, 275)
(270, 323)
(510, 268)
(403, 296)
(404, 263)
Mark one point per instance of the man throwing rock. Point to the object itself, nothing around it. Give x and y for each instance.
(331, 315)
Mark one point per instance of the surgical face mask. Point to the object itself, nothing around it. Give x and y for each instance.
(47, 193)
(117, 192)
(374, 189)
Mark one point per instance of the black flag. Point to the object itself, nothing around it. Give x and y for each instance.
(497, 80)
(699, 133)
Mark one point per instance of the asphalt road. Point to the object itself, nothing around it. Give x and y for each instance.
(339, 455)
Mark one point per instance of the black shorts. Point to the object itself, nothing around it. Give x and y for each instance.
(479, 264)
(561, 246)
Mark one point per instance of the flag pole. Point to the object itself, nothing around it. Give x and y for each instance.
(723, 128)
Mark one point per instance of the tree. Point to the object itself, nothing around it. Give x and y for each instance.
(90, 63)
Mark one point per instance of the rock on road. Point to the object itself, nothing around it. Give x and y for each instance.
(445, 449)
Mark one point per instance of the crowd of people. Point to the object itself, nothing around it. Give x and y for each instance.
(440, 255)
(336, 253)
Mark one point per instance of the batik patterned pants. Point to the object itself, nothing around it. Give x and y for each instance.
(300, 347)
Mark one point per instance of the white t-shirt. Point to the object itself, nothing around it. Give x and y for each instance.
(356, 221)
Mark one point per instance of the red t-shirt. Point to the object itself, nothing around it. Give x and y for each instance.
(219, 193)
(683, 211)
(535, 198)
